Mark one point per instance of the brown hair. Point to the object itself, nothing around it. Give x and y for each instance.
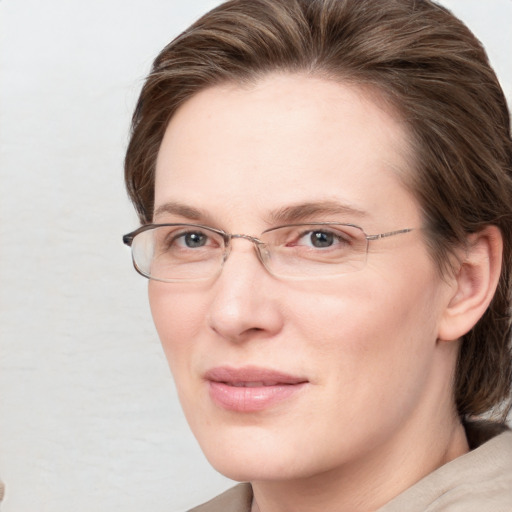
(436, 75)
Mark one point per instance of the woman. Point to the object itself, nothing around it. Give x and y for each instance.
(324, 189)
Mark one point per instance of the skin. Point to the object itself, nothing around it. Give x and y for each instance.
(376, 413)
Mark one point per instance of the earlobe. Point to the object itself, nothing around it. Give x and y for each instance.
(475, 284)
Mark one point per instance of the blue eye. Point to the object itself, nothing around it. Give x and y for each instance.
(193, 240)
(321, 239)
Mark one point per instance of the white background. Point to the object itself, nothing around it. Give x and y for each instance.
(89, 419)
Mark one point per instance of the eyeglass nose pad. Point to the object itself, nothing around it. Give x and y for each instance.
(260, 247)
(263, 254)
(227, 251)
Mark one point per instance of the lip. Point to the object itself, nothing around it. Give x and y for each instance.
(251, 389)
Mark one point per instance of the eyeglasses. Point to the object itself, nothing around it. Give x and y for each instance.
(192, 252)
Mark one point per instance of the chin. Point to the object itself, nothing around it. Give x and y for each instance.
(256, 454)
(243, 469)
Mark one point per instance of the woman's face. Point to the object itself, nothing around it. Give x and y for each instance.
(283, 379)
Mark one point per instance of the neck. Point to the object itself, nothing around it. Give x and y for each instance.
(370, 483)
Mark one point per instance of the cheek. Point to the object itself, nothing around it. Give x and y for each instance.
(367, 329)
(179, 316)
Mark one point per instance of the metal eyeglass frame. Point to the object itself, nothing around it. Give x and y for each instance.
(259, 244)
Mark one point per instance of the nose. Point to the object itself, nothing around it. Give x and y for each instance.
(245, 301)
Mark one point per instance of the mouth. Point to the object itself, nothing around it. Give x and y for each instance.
(251, 389)
(259, 384)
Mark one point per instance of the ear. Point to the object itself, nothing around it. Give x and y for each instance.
(475, 284)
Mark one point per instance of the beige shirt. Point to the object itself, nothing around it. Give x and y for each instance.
(479, 481)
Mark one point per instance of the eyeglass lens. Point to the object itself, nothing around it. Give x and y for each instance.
(189, 252)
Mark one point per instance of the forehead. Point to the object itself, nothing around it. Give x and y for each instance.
(235, 150)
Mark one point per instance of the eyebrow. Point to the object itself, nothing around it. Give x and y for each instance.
(299, 212)
(306, 211)
(183, 210)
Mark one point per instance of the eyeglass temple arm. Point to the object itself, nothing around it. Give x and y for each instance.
(128, 239)
(389, 233)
